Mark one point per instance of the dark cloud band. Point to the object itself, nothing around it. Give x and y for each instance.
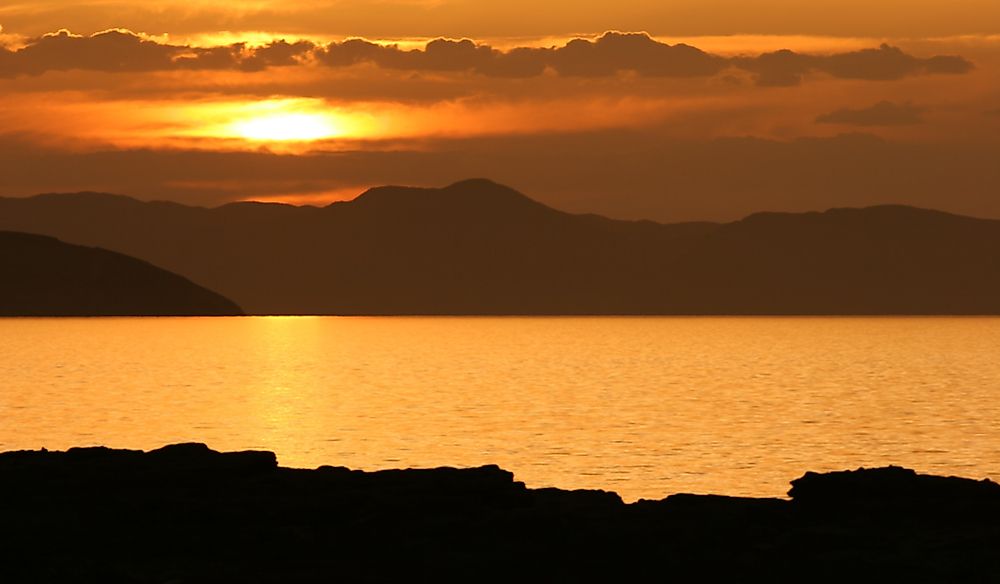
(612, 53)
(883, 113)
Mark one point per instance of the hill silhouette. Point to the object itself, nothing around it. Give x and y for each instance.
(46, 277)
(477, 247)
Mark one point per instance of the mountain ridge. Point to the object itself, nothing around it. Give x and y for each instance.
(478, 247)
(474, 183)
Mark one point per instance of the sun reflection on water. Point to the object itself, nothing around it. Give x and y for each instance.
(642, 406)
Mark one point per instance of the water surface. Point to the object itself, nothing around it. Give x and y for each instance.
(642, 406)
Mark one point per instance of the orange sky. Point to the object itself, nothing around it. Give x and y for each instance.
(510, 18)
(213, 82)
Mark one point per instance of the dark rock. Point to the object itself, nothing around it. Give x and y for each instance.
(891, 483)
(185, 513)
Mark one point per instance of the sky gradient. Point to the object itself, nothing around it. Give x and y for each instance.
(685, 110)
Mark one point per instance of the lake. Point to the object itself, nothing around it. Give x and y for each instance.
(642, 406)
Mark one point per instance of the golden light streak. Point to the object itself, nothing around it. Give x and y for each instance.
(259, 38)
(320, 198)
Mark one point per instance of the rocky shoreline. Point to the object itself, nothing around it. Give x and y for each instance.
(185, 513)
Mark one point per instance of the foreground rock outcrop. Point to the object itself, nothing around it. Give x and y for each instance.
(185, 513)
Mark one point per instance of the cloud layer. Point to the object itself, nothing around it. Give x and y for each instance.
(883, 113)
(611, 54)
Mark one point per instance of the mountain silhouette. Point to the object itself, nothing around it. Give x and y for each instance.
(46, 277)
(477, 247)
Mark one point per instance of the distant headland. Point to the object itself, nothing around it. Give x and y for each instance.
(43, 276)
(185, 513)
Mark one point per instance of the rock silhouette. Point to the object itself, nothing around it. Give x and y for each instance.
(185, 513)
(46, 277)
(477, 247)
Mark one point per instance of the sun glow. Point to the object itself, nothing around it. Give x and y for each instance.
(285, 121)
(282, 127)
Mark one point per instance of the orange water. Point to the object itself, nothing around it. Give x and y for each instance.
(642, 406)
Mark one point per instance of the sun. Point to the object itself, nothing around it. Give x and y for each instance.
(287, 127)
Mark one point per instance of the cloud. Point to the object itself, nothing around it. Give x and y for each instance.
(438, 55)
(615, 52)
(636, 52)
(112, 50)
(610, 54)
(125, 51)
(883, 113)
(886, 63)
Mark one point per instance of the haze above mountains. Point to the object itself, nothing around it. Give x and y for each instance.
(477, 247)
